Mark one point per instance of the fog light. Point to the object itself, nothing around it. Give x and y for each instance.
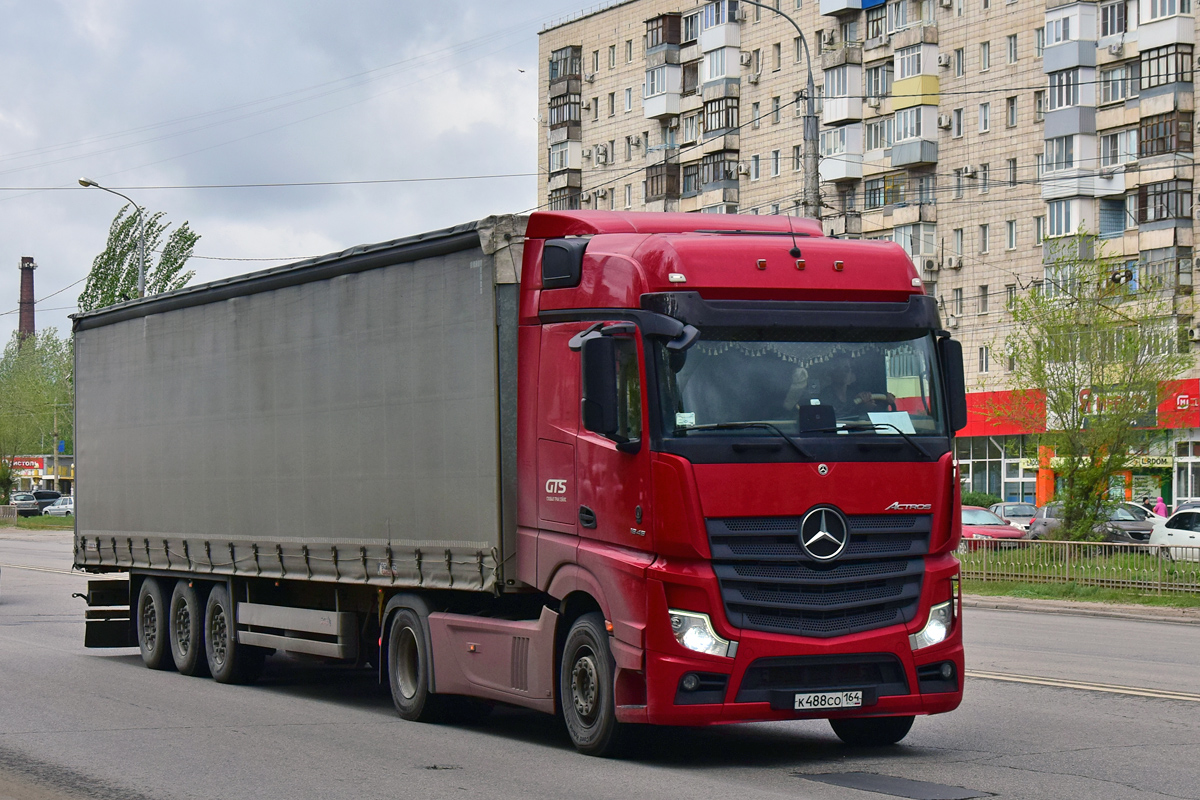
(947, 670)
(690, 682)
(695, 632)
(936, 629)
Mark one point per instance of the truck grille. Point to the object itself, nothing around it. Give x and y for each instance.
(768, 582)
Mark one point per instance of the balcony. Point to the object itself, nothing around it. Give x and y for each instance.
(914, 151)
(847, 223)
(831, 7)
(718, 36)
(841, 167)
(842, 109)
(661, 105)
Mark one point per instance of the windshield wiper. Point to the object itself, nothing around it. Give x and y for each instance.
(734, 426)
(856, 426)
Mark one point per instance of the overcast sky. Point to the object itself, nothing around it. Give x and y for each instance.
(141, 93)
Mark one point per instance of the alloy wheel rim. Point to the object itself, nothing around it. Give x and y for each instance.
(585, 686)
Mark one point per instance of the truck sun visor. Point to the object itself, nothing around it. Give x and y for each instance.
(562, 263)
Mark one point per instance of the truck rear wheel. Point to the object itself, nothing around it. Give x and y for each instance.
(152, 615)
(228, 661)
(871, 731)
(187, 629)
(586, 688)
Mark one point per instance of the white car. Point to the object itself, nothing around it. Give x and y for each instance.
(1180, 536)
(1142, 513)
(62, 507)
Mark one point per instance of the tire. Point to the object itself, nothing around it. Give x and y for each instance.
(152, 626)
(187, 629)
(871, 731)
(228, 661)
(586, 688)
(408, 670)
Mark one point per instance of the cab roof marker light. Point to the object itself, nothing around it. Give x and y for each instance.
(762, 263)
(838, 266)
(916, 282)
(677, 277)
(799, 263)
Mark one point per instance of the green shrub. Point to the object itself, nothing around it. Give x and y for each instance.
(979, 499)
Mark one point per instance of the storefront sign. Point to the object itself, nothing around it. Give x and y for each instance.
(27, 466)
(1135, 462)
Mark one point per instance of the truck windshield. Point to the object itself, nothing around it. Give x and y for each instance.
(878, 382)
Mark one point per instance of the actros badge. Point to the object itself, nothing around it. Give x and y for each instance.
(909, 507)
(824, 533)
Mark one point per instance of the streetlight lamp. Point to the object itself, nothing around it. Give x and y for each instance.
(89, 183)
(812, 184)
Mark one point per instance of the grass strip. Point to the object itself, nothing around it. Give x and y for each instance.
(43, 523)
(1077, 592)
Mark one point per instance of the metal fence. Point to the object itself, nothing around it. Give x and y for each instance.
(1158, 569)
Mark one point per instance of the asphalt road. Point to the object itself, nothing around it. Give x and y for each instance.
(96, 724)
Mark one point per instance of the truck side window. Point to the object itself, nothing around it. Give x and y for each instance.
(629, 390)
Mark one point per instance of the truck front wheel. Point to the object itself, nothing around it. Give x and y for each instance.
(187, 629)
(228, 660)
(586, 688)
(408, 670)
(152, 626)
(871, 731)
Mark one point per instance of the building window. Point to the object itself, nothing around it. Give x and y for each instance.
(1112, 18)
(755, 173)
(1064, 88)
(957, 241)
(1163, 65)
(629, 195)
(797, 158)
(833, 142)
(1058, 30)
(1169, 8)
(564, 63)
(984, 238)
(958, 184)
(663, 30)
(662, 181)
(908, 123)
(956, 123)
(775, 106)
(1112, 217)
(714, 64)
(879, 80)
(908, 62)
(1010, 296)
(875, 22)
(917, 240)
(691, 28)
(985, 117)
(717, 167)
(958, 302)
(755, 115)
(612, 56)
(565, 110)
(897, 15)
(612, 103)
(1039, 41)
(720, 114)
(960, 62)
(1059, 216)
(656, 81)
(1060, 153)
(984, 352)
(1119, 83)
(629, 51)
(879, 133)
(1012, 49)
(890, 189)
(566, 199)
(1010, 112)
(689, 127)
(629, 99)
(983, 300)
(1010, 233)
(774, 163)
(559, 156)
(837, 82)
(1164, 200)
(691, 179)
(1039, 105)
(691, 78)
(1039, 165)
(1039, 230)
(1165, 133)
(777, 56)
(985, 56)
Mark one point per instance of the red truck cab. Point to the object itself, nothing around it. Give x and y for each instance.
(735, 444)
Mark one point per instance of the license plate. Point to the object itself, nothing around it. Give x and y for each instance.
(819, 701)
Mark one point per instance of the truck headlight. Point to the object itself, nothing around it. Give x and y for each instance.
(936, 629)
(695, 632)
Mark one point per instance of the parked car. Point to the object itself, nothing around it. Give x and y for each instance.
(1180, 535)
(1142, 513)
(1188, 506)
(26, 504)
(979, 524)
(62, 507)
(1019, 514)
(1121, 527)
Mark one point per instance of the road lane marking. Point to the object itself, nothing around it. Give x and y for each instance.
(1063, 683)
(43, 569)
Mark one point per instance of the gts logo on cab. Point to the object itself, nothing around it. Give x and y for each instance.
(556, 489)
(909, 507)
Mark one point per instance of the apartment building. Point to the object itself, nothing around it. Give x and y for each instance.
(972, 132)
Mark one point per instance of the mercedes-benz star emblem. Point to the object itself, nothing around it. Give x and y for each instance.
(824, 533)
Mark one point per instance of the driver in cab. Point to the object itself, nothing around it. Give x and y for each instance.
(839, 392)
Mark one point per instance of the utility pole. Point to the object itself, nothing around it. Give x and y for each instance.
(812, 181)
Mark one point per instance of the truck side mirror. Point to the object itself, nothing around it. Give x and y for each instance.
(954, 380)
(599, 406)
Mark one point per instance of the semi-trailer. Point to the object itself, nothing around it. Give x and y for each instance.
(674, 469)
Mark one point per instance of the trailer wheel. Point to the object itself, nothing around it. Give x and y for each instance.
(228, 661)
(871, 731)
(187, 629)
(408, 670)
(586, 688)
(152, 626)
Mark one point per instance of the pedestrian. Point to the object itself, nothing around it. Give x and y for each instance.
(1146, 504)
(1160, 507)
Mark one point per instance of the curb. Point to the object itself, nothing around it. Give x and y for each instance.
(1178, 616)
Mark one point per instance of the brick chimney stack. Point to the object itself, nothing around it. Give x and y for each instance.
(25, 324)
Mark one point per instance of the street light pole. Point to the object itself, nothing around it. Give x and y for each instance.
(812, 181)
(89, 183)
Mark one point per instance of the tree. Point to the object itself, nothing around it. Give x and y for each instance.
(1092, 351)
(114, 275)
(36, 389)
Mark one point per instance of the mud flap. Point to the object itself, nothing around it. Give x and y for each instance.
(108, 620)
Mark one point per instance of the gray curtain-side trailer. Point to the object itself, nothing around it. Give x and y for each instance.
(345, 421)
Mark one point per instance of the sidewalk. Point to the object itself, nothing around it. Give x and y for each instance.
(1186, 616)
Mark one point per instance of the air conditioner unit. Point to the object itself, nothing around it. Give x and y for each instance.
(590, 77)
(1194, 334)
(827, 38)
(742, 14)
(954, 262)
(873, 102)
(968, 171)
(586, 197)
(743, 168)
(601, 193)
(673, 124)
(952, 322)
(1115, 49)
(601, 154)
(947, 3)
(752, 77)
(931, 265)
(1107, 172)
(943, 59)
(943, 120)
(636, 141)
(745, 58)
(587, 105)
(587, 152)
